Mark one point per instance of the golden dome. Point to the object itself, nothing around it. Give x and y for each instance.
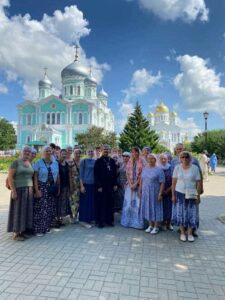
(173, 114)
(150, 115)
(162, 108)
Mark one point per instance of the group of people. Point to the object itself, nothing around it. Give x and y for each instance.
(208, 163)
(157, 190)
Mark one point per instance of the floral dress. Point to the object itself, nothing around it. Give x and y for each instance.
(74, 170)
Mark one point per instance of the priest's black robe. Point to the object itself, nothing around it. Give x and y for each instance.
(106, 178)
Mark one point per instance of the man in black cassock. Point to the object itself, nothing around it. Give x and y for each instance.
(106, 184)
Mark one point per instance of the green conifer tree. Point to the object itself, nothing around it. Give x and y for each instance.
(137, 132)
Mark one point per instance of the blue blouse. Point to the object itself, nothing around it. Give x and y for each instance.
(87, 170)
(42, 170)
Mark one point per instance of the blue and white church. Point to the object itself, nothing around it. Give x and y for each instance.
(58, 119)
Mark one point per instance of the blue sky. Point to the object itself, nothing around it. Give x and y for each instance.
(141, 50)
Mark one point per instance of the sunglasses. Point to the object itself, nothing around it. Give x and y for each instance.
(185, 156)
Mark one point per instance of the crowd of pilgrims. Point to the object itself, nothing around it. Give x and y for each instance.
(147, 191)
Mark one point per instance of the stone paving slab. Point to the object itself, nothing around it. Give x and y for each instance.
(117, 263)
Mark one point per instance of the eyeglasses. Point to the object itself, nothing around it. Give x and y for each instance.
(185, 156)
(126, 156)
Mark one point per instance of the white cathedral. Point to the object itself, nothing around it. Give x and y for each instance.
(165, 124)
(58, 119)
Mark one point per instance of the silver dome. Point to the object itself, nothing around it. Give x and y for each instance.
(74, 69)
(91, 79)
(103, 93)
(45, 82)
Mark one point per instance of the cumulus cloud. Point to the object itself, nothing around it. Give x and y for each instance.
(142, 80)
(39, 44)
(188, 10)
(199, 86)
(189, 125)
(3, 89)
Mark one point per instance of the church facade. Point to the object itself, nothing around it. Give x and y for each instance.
(58, 119)
(165, 123)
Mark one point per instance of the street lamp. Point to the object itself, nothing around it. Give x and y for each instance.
(206, 115)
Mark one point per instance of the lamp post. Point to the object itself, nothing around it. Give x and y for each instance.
(206, 115)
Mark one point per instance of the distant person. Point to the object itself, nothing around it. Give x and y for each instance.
(213, 162)
(20, 180)
(203, 161)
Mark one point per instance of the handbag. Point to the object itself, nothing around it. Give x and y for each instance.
(53, 187)
(189, 193)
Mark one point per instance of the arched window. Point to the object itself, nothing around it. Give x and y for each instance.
(28, 139)
(65, 90)
(58, 118)
(48, 118)
(80, 118)
(71, 90)
(78, 90)
(29, 119)
(53, 118)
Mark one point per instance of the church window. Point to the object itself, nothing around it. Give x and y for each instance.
(80, 120)
(58, 118)
(53, 118)
(65, 90)
(71, 90)
(48, 119)
(89, 92)
(53, 105)
(28, 139)
(28, 119)
(78, 90)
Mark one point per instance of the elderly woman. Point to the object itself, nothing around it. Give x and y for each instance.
(74, 166)
(63, 201)
(186, 188)
(87, 188)
(167, 196)
(132, 212)
(46, 183)
(20, 180)
(151, 189)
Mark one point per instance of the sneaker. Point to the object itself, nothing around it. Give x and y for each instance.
(191, 238)
(149, 229)
(170, 227)
(155, 230)
(183, 237)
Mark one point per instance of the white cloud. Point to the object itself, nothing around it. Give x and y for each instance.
(141, 82)
(199, 86)
(27, 46)
(3, 89)
(189, 125)
(187, 10)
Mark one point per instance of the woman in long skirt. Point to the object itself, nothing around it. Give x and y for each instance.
(63, 201)
(152, 186)
(132, 212)
(20, 181)
(167, 195)
(186, 187)
(74, 166)
(45, 176)
(87, 188)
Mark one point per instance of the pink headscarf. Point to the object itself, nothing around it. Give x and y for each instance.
(139, 168)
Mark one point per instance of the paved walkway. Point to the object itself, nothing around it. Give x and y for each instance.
(117, 263)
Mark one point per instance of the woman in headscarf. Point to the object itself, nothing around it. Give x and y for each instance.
(213, 162)
(87, 188)
(46, 182)
(20, 179)
(151, 189)
(132, 212)
(167, 196)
